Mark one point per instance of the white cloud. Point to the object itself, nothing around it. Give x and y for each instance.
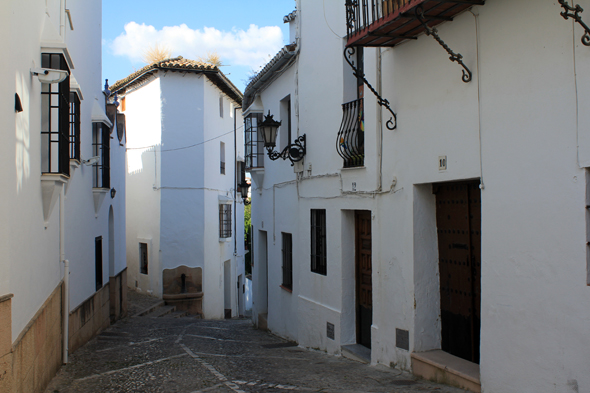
(237, 47)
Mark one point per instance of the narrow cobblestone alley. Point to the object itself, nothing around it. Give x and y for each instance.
(185, 354)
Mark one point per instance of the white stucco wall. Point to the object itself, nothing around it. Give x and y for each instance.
(143, 116)
(30, 268)
(519, 126)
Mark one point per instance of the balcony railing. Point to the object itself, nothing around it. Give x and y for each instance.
(350, 142)
(390, 22)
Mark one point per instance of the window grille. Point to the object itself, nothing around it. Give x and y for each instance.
(351, 137)
(318, 241)
(254, 141)
(98, 261)
(74, 127)
(101, 147)
(222, 158)
(55, 122)
(287, 260)
(143, 258)
(225, 220)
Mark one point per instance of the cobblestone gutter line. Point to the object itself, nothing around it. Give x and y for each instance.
(220, 376)
(131, 368)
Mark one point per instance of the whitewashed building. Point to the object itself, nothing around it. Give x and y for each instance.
(184, 208)
(444, 232)
(62, 170)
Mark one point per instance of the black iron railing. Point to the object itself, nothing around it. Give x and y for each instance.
(350, 142)
(360, 14)
(74, 127)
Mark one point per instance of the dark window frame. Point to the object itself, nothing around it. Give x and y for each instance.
(319, 258)
(222, 158)
(75, 127)
(254, 143)
(287, 251)
(225, 220)
(98, 261)
(55, 134)
(101, 141)
(143, 262)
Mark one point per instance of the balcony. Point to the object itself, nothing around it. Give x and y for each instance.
(378, 23)
(350, 142)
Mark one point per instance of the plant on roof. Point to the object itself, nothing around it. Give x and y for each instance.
(156, 53)
(211, 58)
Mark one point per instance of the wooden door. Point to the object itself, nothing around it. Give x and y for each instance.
(364, 284)
(458, 221)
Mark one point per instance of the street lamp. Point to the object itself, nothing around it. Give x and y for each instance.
(244, 191)
(269, 129)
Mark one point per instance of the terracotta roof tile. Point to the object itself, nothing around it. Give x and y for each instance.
(181, 64)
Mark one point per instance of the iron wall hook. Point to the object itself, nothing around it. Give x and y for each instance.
(455, 57)
(392, 122)
(574, 13)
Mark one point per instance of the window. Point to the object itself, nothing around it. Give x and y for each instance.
(254, 141)
(286, 122)
(98, 261)
(143, 258)
(74, 127)
(101, 148)
(225, 220)
(287, 260)
(318, 241)
(221, 106)
(55, 122)
(222, 158)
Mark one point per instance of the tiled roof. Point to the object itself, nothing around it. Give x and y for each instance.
(181, 64)
(279, 60)
(288, 18)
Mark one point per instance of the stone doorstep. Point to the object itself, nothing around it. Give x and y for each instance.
(357, 353)
(442, 367)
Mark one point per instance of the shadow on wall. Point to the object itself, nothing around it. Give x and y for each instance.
(183, 288)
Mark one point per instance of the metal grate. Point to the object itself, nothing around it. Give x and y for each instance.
(350, 142)
(287, 260)
(360, 14)
(318, 241)
(225, 220)
(74, 127)
(101, 148)
(55, 122)
(254, 141)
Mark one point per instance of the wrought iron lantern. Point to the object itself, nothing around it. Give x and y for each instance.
(269, 129)
(244, 186)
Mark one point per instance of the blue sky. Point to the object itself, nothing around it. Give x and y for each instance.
(245, 33)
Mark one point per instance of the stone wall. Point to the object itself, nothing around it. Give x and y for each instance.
(36, 355)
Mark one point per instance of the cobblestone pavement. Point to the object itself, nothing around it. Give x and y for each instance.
(189, 355)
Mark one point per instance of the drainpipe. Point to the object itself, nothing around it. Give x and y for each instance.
(235, 185)
(66, 290)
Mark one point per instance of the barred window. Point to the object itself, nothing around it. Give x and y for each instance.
(318, 241)
(254, 141)
(225, 220)
(287, 261)
(101, 147)
(74, 127)
(55, 124)
(143, 258)
(222, 158)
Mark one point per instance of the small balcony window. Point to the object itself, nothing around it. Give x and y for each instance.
(101, 147)
(351, 137)
(254, 141)
(55, 121)
(224, 220)
(74, 127)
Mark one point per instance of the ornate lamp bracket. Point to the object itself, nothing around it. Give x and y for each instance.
(392, 122)
(574, 13)
(294, 152)
(456, 57)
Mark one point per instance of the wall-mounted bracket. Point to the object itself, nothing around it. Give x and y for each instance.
(456, 57)
(392, 122)
(574, 13)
